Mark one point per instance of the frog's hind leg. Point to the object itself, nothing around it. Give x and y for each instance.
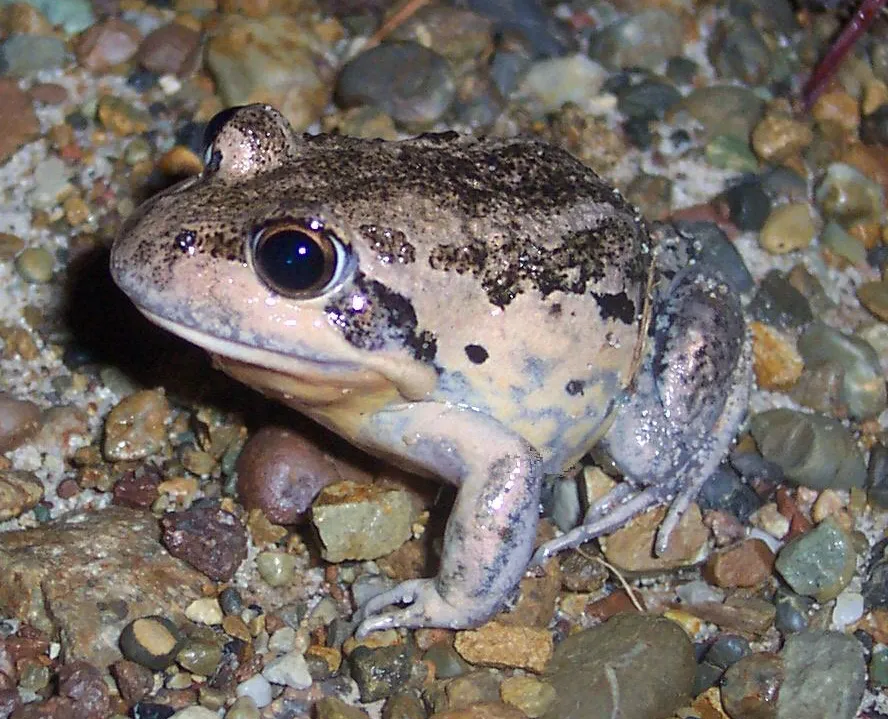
(690, 396)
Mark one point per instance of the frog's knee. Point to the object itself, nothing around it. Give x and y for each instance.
(699, 340)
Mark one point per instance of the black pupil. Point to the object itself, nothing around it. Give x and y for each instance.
(292, 261)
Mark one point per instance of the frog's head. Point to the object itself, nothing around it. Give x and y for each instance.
(249, 262)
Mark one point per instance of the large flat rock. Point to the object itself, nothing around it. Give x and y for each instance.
(82, 578)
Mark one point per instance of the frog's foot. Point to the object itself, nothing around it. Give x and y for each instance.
(607, 515)
(426, 608)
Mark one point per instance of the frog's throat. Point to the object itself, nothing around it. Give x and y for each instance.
(303, 382)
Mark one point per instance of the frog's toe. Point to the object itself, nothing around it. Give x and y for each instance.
(597, 524)
(425, 608)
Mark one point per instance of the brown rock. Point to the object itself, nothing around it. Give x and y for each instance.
(172, 49)
(281, 472)
(751, 686)
(17, 118)
(210, 539)
(748, 616)
(486, 710)
(746, 564)
(136, 427)
(19, 420)
(107, 43)
(24, 18)
(83, 684)
(537, 597)
(631, 548)
(617, 602)
(133, 680)
(86, 576)
(49, 93)
(501, 645)
(137, 488)
(54, 708)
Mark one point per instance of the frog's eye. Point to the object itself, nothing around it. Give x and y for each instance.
(299, 259)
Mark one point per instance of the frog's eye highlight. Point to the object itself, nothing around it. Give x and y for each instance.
(299, 259)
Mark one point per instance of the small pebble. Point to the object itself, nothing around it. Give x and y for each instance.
(290, 670)
(788, 228)
(151, 641)
(848, 609)
(137, 426)
(276, 568)
(204, 611)
(819, 563)
(19, 421)
(35, 265)
(257, 688)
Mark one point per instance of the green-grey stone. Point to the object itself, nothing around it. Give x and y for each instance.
(812, 450)
(841, 243)
(848, 196)
(73, 15)
(863, 384)
(824, 676)
(878, 667)
(819, 563)
(729, 152)
(276, 568)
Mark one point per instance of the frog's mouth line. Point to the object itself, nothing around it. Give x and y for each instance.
(305, 369)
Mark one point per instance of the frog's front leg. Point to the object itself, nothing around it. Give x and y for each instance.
(675, 425)
(491, 530)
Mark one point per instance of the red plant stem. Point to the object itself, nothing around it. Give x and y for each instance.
(863, 17)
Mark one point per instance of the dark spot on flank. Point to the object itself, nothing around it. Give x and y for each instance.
(616, 307)
(186, 240)
(476, 354)
(555, 310)
(574, 387)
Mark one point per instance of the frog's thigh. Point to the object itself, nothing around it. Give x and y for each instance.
(491, 530)
(690, 396)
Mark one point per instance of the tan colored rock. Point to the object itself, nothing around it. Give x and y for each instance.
(19, 492)
(17, 118)
(837, 107)
(529, 694)
(776, 361)
(788, 228)
(778, 137)
(631, 548)
(500, 645)
(63, 578)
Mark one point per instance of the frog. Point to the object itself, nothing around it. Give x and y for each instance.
(481, 311)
